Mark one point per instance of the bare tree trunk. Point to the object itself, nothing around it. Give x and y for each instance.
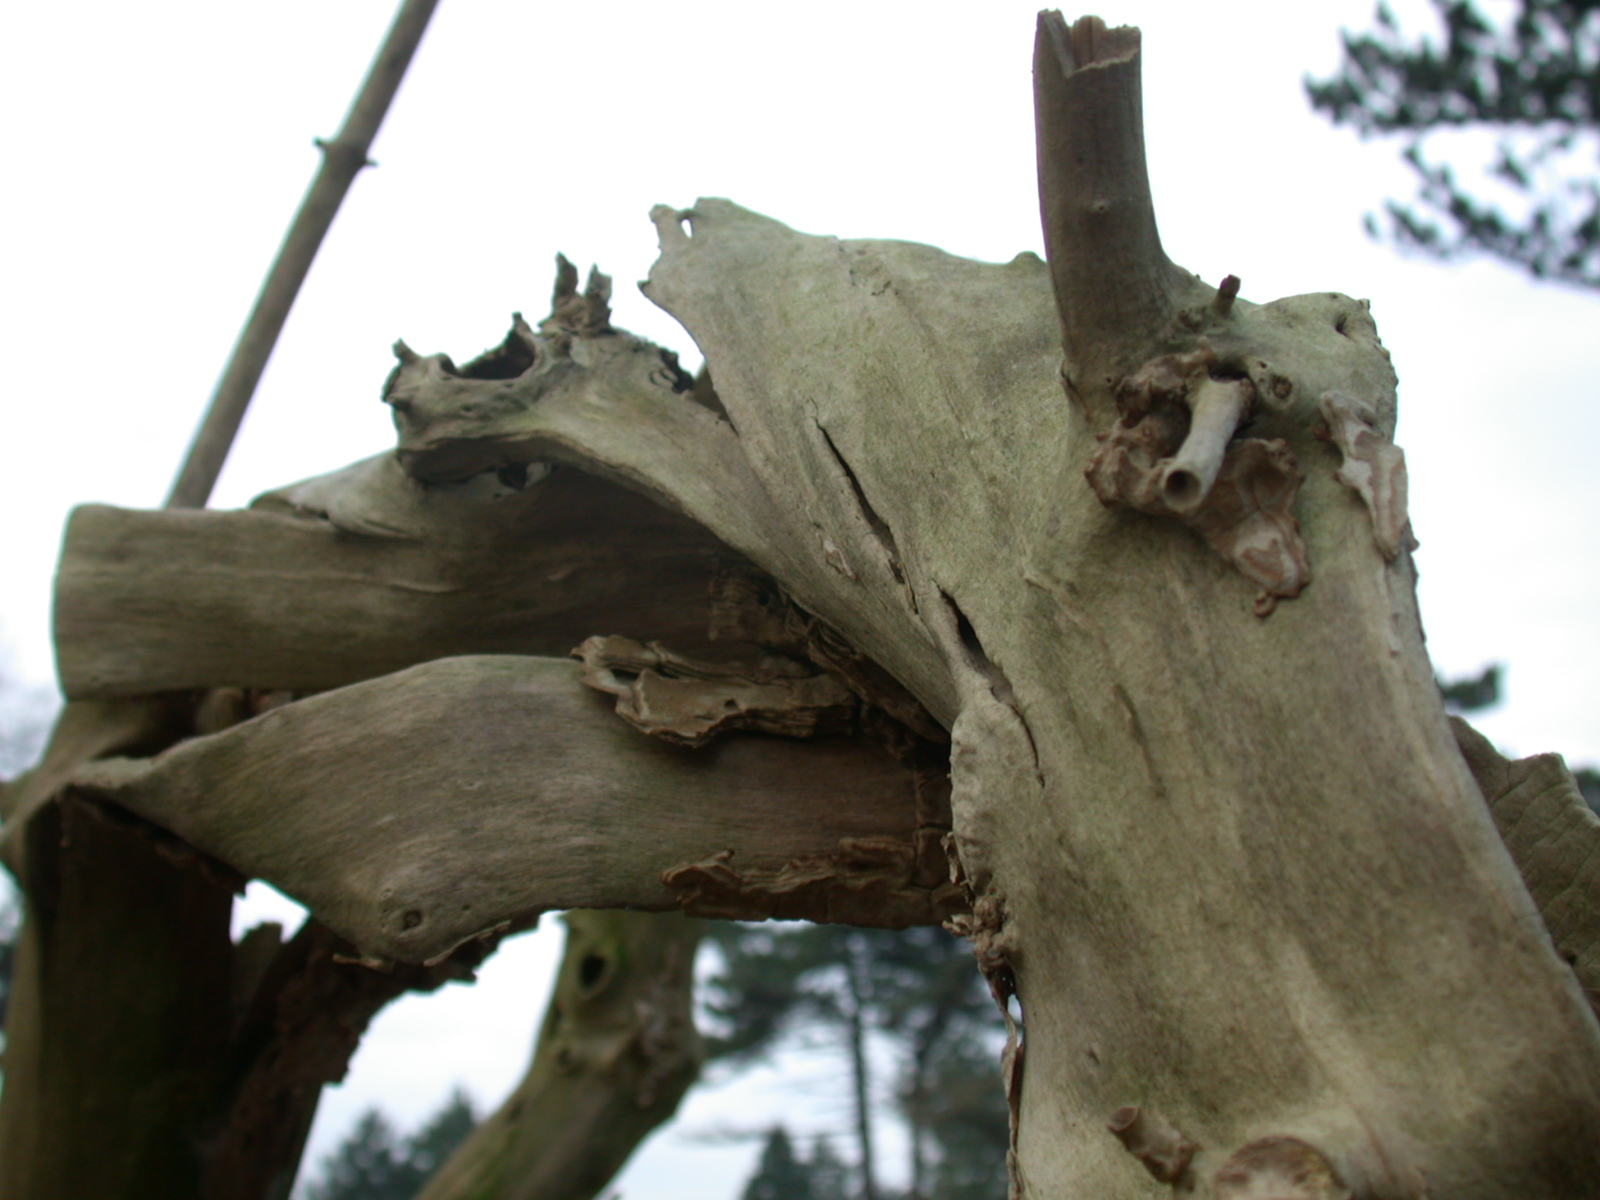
(860, 1073)
(120, 1012)
(615, 1055)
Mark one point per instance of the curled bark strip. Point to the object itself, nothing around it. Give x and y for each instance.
(1374, 468)
(1279, 1168)
(690, 702)
(1554, 838)
(1164, 1151)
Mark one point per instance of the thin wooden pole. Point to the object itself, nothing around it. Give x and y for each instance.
(342, 159)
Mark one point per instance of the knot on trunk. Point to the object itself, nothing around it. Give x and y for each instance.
(1164, 1151)
(1279, 1168)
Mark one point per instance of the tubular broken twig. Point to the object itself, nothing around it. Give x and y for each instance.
(342, 158)
(1218, 405)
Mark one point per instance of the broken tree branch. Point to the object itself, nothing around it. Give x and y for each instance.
(1115, 286)
(1554, 837)
(414, 812)
(363, 572)
(342, 159)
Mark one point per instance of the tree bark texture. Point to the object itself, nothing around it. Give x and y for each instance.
(614, 1056)
(1213, 828)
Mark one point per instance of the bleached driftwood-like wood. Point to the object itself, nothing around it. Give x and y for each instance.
(1554, 836)
(1209, 806)
(413, 812)
(1213, 826)
(364, 572)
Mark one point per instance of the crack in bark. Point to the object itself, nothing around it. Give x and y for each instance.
(747, 606)
(999, 684)
(880, 527)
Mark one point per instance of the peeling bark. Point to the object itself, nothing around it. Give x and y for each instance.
(689, 703)
(614, 1056)
(299, 1016)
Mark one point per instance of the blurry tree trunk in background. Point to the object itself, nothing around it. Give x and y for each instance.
(615, 1054)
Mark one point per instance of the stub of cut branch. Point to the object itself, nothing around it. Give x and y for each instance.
(1115, 287)
(414, 812)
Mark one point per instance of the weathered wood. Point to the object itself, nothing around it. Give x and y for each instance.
(414, 812)
(1554, 836)
(615, 1053)
(120, 1013)
(364, 572)
(1231, 860)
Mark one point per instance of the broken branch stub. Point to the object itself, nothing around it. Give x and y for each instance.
(1115, 287)
(415, 812)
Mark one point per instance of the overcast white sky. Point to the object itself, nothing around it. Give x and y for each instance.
(156, 152)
